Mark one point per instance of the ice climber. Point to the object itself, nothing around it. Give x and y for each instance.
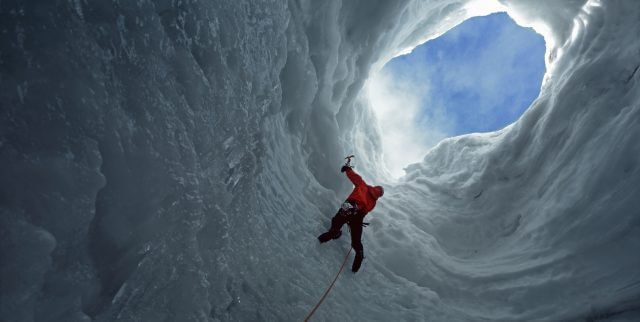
(360, 202)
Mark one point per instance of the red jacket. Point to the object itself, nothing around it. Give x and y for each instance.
(364, 195)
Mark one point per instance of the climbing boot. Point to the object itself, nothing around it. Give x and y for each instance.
(357, 262)
(328, 236)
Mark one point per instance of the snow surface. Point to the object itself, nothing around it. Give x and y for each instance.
(175, 160)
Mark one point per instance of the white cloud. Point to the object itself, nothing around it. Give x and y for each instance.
(406, 134)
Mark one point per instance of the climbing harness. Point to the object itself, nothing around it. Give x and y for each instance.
(347, 206)
(329, 288)
(349, 211)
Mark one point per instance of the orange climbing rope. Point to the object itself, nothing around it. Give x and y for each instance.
(328, 289)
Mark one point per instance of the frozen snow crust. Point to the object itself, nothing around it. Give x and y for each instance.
(174, 161)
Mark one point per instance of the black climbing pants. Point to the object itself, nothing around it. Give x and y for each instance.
(353, 218)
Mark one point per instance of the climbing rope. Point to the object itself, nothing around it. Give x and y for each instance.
(328, 289)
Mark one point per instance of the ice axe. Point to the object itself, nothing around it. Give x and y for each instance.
(348, 158)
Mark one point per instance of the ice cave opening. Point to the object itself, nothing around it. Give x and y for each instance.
(176, 160)
(479, 76)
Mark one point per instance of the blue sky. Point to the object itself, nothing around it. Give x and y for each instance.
(485, 72)
(478, 77)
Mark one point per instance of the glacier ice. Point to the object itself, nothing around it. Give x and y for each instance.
(174, 161)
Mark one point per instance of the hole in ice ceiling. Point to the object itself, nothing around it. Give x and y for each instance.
(478, 77)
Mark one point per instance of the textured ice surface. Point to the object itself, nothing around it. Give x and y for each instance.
(174, 161)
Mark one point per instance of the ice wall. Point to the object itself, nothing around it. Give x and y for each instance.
(174, 161)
